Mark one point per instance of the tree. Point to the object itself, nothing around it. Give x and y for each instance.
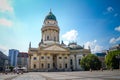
(11, 68)
(90, 61)
(111, 61)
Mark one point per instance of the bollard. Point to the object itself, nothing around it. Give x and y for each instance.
(21, 72)
(111, 69)
(101, 69)
(90, 70)
(6, 73)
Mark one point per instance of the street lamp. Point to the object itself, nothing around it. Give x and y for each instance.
(118, 57)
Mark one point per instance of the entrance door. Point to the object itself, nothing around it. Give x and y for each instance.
(55, 61)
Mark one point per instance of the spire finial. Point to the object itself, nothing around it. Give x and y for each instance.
(30, 45)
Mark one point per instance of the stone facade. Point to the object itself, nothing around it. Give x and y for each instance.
(22, 60)
(50, 54)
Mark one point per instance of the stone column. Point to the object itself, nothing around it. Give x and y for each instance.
(63, 61)
(68, 59)
(75, 62)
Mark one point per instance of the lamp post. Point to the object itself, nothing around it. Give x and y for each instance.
(118, 57)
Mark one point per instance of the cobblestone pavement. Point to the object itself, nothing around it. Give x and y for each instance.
(8, 76)
(86, 75)
(80, 75)
(30, 76)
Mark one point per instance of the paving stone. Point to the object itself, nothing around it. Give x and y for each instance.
(80, 75)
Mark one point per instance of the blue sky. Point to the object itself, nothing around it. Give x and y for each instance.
(94, 23)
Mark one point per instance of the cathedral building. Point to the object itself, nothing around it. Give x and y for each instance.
(51, 55)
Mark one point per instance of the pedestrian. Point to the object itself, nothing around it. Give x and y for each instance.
(17, 72)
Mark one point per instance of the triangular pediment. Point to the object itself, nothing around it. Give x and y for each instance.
(55, 48)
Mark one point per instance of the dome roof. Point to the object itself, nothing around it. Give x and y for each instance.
(74, 46)
(50, 16)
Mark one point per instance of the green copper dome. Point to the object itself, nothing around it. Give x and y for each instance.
(50, 16)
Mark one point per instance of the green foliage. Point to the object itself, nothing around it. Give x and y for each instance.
(11, 68)
(111, 60)
(90, 61)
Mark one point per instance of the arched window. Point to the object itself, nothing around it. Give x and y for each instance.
(66, 65)
(47, 37)
(42, 65)
(71, 62)
(48, 57)
(34, 58)
(34, 66)
(48, 65)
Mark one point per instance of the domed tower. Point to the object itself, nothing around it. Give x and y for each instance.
(50, 29)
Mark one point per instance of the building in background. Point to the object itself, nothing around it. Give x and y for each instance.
(13, 53)
(22, 60)
(51, 55)
(3, 61)
(77, 52)
(115, 47)
(101, 57)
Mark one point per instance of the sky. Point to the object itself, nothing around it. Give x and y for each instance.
(94, 23)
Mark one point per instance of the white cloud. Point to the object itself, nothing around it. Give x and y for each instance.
(70, 35)
(5, 22)
(93, 46)
(117, 28)
(116, 14)
(110, 9)
(89, 44)
(97, 48)
(114, 40)
(4, 49)
(5, 6)
(66, 42)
